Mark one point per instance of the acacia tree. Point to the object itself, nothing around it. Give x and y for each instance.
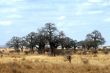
(14, 43)
(95, 39)
(82, 44)
(69, 43)
(66, 42)
(73, 43)
(23, 43)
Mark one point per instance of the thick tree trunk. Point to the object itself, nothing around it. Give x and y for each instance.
(21, 49)
(53, 53)
(32, 49)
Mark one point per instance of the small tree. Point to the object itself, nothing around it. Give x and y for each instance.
(14, 43)
(41, 40)
(23, 43)
(31, 40)
(62, 39)
(69, 43)
(95, 39)
(74, 44)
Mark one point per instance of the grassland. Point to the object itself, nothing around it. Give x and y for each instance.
(20, 63)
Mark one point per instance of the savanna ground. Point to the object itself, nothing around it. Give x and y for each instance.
(21, 63)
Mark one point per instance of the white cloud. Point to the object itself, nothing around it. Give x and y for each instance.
(107, 19)
(9, 10)
(82, 7)
(78, 13)
(8, 2)
(95, 12)
(95, 1)
(86, 7)
(86, 4)
(5, 23)
(15, 0)
(100, 2)
(14, 16)
(61, 17)
(106, 3)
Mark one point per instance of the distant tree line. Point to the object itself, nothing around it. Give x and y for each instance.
(50, 35)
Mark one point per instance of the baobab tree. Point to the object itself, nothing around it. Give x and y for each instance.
(95, 39)
(50, 29)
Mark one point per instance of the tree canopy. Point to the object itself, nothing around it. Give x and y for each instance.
(50, 35)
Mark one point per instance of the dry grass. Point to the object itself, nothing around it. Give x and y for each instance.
(15, 63)
(41, 67)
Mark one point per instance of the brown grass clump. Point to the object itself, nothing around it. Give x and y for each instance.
(84, 60)
(68, 58)
(95, 55)
(23, 59)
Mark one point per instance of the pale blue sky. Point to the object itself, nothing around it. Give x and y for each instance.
(75, 17)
